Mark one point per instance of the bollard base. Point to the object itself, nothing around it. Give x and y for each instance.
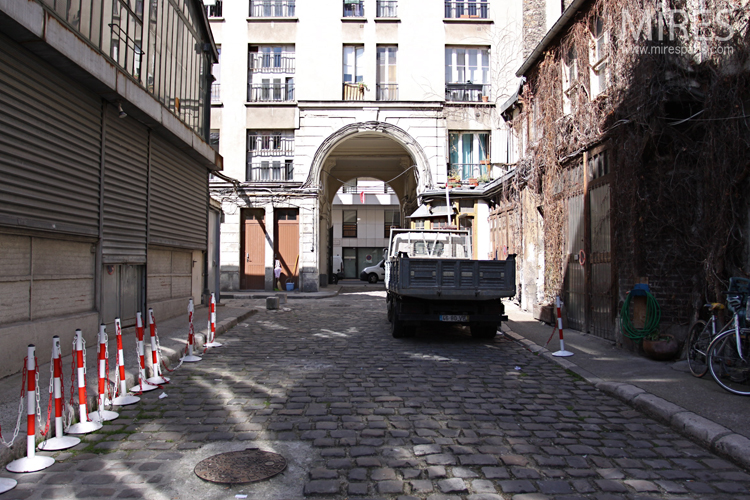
(159, 380)
(103, 416)
(143, 387)
(84, 427)
(212, 344)
(125, 400)
(7, 484)
(30, 464)
(59, 443)
(191, 359)
(562, 354)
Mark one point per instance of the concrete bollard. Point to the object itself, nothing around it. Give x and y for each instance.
(272, 303)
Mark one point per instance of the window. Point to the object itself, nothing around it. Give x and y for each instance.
(467, 9)
(598, 57)
(349, 226)
(569, 76)
(350, 186)
(354, 87)
(391, 218)
(387, 8)
(216, 85)
(467, 74)
(272, 8)
(270, 155)
(271, 71)
(354, 8)
(468, 154)
(213, 8)
(387, 86)
(598, 165)
(213, 138)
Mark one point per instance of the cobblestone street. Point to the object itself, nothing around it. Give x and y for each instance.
(358, 414)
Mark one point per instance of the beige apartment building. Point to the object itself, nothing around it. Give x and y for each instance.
(309, 96)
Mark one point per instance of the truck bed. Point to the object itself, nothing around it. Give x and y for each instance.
(452, 279)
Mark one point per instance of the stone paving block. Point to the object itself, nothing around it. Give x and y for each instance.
(517, 486)
(454, 485)
(322, 487)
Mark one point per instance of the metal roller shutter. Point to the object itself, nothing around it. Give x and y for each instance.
(50, 147)
(179, 198)
(125, 190)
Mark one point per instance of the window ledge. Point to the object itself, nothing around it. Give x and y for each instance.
(250, 104)
(387, 20)
(353, 19)
(215, 19)
(470, 20)
(273, 19)
(217, 104)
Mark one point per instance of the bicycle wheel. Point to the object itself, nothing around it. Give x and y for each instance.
(699, 339)
(725, 364)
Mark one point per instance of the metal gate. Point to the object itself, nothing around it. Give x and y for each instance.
(600, 263)
(574, 282)
(253, 257)
(286, 243)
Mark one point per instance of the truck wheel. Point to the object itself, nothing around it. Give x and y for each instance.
(389, 307)
(483, 330)
(334, 279)
(372, 278)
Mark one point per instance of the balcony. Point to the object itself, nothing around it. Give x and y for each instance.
(272, 8)
(354, 8)
(467, 92)
(354, 91)
(283, 92)
(271, 171)
(386, 92)
(214, 11)
(276, 62)
(468, 173)
(387, 8)
(216, 93)
(467, 9)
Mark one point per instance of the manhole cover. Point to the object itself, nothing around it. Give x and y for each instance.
(247, 466)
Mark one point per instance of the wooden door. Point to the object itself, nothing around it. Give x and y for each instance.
(286, 243)
(253, 252)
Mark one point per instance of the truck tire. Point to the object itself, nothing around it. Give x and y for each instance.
(389, 307)
(483, 330)
(372, 278)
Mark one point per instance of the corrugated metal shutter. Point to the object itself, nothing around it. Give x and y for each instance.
(179, 198)
(50, 149)
(125, 190)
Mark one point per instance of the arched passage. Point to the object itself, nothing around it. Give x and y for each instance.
(375, 150)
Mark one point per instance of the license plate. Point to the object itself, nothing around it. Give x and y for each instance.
(454, 317)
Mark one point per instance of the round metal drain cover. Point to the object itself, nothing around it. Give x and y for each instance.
(247, 466)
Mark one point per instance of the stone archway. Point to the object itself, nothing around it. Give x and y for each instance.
(372, 150)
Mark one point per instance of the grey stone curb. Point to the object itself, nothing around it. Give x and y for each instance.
(705, 432)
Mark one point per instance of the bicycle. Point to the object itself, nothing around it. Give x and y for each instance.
(699, 338)
(728, 355)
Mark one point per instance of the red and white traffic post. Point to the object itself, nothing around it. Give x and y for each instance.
(84, 425)
(190, 357)
(157, 377)
(31, 462)
(59, 442)
(123, 398)
(212, 323)
(143, 385)
(102, 415)
(562, 352)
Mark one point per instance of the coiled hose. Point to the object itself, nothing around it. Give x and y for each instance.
(653, 317)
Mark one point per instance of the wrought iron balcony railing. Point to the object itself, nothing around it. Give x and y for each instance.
(386, 92)
(215, 93)
(276, 62)
(354, 8)
(272, 8)
(467, 9)
(283, 92)
(467, 92)
(387, 8)
(270, 171)
(466, 171)
(214, 10)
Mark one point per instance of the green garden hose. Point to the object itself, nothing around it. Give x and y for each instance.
(653, 317)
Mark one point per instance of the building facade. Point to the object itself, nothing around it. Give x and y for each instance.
(312, 96)
(105, 161)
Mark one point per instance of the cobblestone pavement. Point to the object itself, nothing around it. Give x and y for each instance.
(358, 414)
